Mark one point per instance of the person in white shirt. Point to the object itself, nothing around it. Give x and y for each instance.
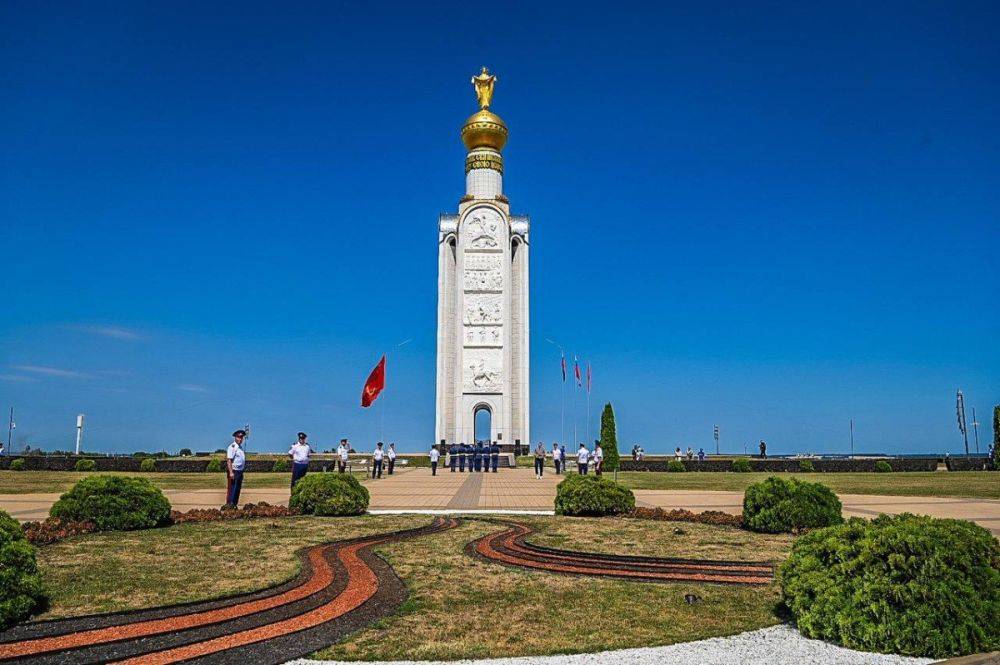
(582, 459)
(235, 463)
(435, 456)
(377, 460)
(598, 458)
(391, 454)
(556, 457)
(342, 450)
(677, 454)
(299, 452)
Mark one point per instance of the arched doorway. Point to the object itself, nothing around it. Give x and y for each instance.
(483, 423)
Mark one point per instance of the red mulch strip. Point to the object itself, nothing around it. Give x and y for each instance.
(708, 517)
(54, 529)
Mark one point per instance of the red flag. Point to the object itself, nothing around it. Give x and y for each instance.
(562, 362)
(576, 371)
(374, 384)
(590, 378)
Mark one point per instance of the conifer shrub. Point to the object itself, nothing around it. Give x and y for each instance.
(676, 465)
(213, 466)
(609, 439)
(114, 503)
(742, 465)
(806, 466)
(904, 584)
(281, 465)
(882, 466)
(85, 465)
(777, 505)
(148, 465)
(21, 590)
(329, 494)
(17, 465)
(592, 496)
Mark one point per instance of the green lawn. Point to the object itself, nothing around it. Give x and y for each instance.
(452, 596)
(974, 484)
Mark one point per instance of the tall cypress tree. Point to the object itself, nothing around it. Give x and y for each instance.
(609, 438)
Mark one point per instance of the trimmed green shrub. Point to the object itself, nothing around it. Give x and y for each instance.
(281, 465)
(676, 465)
(882, 466)
(17, 465)
(114, 503)
(214, 466)
(742, 465)
(329, 494)
(593, 496)
(806, 466)
(147, 465)
(906, 584)
(609, 438)
(777, 505)
(85, 465)
(21, 591)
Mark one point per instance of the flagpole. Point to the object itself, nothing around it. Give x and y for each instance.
(10, 429)
(562, 415)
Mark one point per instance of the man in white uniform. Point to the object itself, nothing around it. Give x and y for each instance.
(556, 457)
(299, 452)
(342, 450)
(236, 461)
(435, 456)
(391, 454)
(377, 460)
(598, 458)
(582, 458)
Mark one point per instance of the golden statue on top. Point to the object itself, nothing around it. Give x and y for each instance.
(484, 87)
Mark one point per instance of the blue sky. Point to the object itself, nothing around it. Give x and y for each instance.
(774, 218)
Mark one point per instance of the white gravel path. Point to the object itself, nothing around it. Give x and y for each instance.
(778, 645)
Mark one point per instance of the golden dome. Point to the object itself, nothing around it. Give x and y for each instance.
(484, 129)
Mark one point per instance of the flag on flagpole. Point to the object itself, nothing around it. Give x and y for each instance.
(374, 385)
(562, 361)
(590, 378)
(576, 372)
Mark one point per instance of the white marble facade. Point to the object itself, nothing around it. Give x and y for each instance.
(483, 316)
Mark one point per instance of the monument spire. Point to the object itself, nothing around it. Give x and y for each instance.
(484, 135)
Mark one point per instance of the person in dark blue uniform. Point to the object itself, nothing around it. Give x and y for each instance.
(452, 453)
(477, 456)
(462, 450)
(495, 456)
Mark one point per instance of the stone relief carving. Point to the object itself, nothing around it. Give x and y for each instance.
(483, 280)
(483, 229)
(483, 310)
(483, 336)
(482, 370)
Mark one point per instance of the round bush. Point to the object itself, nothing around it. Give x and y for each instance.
(17, 465)
(114, 503)
(21, 591)
(905, 584)
(676, 465)
(85, 465)
(882, 466)
(281, 465)
(329, 494)
(777, 505)
(593, 496)
(806, 466)
(213, 465)
(147, 465)
(742, 465)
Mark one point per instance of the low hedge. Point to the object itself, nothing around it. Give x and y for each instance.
(21, 590)
(675, 465)
(85, 465)
(329, 494)
(806, 466)
(148, 465)
(281, 465)
(213, 466)
(777, 505)
(882, 466)
(17, 465)
(114, 503)
(905, 584)
(742, 465)
(592, 496)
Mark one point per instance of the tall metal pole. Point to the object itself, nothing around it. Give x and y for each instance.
(716, 439)
(79, 432)
(852, 437)
(960, 407)
(10, 430)
(975, 428)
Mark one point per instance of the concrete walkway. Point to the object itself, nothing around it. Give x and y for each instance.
(519, 490)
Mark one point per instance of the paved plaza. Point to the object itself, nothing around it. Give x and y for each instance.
(519, 490)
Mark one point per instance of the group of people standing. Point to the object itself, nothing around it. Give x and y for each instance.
(481, 457)
(585, 459)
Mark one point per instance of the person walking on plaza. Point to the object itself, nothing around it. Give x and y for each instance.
(763, 449)
(391, 456)
(539, 459)
(342, 450)
(462, 451)
(582, 459)
(598, 458)
(555, 457)
(236, 460)
(299, 452)
(435, 456)
(377, 460)
(495, 456)
(452, 452)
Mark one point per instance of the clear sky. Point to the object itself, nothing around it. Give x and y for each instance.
(770, 217)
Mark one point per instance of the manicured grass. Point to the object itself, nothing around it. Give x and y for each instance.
(27, 482)
(453, 597)
(974, 484)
